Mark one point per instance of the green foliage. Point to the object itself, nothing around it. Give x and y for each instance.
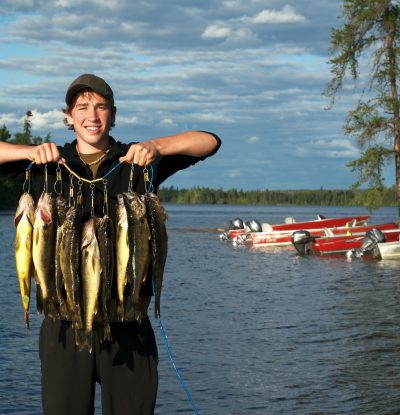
(369, 167)
(4, 133)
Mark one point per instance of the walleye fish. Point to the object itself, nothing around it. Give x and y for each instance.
(91, 277)
(105, 234)
(24, 218)
(61, 210)
(157, 216)
(139, 248)
(43, 254)
(69, 253)
(122, 254)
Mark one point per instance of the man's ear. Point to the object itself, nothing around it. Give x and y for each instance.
(69, 118)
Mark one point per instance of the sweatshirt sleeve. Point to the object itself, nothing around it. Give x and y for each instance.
(169, 165)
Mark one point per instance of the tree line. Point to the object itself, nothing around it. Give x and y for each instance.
(319, 197)
(10, 193)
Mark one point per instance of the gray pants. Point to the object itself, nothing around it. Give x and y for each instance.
(126, 369)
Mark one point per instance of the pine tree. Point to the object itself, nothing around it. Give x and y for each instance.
(369, 38)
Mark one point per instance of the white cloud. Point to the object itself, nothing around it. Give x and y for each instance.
(10, 119)
(216, 32)
(253, 140)
(336, 148)
(48, 120)
(286, 15)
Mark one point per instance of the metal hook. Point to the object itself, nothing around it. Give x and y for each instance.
(79, 197)
(45, 179)
(26, 187)
(105, 198)
(92, 186)
(130, 184)
(58, 180)
(71, 199)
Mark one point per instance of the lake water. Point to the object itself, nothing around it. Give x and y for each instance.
(252, 331)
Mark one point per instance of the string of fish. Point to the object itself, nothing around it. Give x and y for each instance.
(95, 238)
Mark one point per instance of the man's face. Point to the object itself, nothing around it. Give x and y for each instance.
(91, 116)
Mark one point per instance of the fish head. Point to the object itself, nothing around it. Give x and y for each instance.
(156, 206)
(25, 206)
(88, 232)
(45, 208)
(135, 203)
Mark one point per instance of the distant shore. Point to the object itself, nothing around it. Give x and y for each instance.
(208, 196)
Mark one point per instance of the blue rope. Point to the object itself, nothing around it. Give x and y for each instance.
(116, 165)
(148, 189)
(171, 358)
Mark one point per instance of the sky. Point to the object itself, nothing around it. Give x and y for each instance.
(251, 71)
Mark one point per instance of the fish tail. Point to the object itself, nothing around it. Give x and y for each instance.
(121, 311)
(64, 310)
(157, 311)
(84, 339)
(106, 332)
(50, 308)
(39, 299)
(26, 318)
(78, 320)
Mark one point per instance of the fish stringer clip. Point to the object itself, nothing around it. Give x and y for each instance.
(130, 184)
(46, 180)
(92, 186)
(79, 197)
(71, 198)
(58, 183)
(26, 187)
(105, 198)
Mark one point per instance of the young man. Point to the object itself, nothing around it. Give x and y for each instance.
(126, 366)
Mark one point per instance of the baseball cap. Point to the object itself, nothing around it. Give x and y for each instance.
(91, 81)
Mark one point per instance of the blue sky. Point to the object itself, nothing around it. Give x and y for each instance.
(252, 71)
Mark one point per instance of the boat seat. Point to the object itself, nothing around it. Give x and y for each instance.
(352, 223)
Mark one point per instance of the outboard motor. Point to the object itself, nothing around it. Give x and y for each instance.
(370, 243)
(302, 241)
(254, 226)
(236, 224)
